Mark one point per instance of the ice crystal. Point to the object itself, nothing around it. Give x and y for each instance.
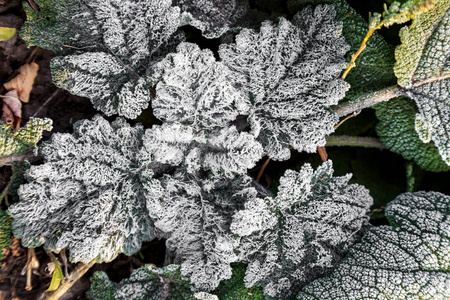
(408, 260)
(303, 232)
(289, 72)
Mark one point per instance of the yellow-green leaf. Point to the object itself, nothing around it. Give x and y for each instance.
(57, 277)
(6, 33)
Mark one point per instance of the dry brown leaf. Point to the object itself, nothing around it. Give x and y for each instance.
(23, 82)
(12, 109)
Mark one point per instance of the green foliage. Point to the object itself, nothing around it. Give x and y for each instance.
(235, 289)
(24, 139)
(5, 231)
(148, 282)
(396, 130)
(408, 260)
(424, 74)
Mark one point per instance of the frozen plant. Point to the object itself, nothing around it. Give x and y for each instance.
(303, 232)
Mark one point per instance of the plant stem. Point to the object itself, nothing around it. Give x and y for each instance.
(69, 282)
(367, 100)
(354, 141)
(352, 64)
(6, 160)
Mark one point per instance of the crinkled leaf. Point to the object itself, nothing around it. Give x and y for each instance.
(116, 44)
(374, 66)
(408, 260)
(24, 139)
(303, 232)
(195, 218)
(89, 196)
(424, 73)
(223, 152)
(195, 89)
(396, 131)
(147, 282)
(290, 72)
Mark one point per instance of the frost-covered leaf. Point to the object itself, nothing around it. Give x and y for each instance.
(374, 66)
(195, 218)
(408, 260)
(24, 139)
(234, 288)
(396, 131)
(115, 44)
(195, 89)
(303, 232)
(90, 194)
(215, 17)
(424, 73)
(290, 72)
(147, 282)
(223, 152)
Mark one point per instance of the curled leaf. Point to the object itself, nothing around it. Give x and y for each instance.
(12, 109)
(23, 82)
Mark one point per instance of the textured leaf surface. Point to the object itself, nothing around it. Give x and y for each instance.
(289, 72)
(24, 139)
(5, 231)
(374, 67)
(303, 232)
(195, 217)
(89, 195)
(423, 71)
(115, 45)
(215, 17)
(148, 282)
(195, 89)
(223, 152)
(408, 260)
(396, 130)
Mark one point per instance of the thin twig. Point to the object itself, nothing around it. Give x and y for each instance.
(46, 102)
(69, 282)
(354, 141)
(32, 54)
(262, 169)
(6, 189)
(368, 100)
(7, 160)
(346, 118)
